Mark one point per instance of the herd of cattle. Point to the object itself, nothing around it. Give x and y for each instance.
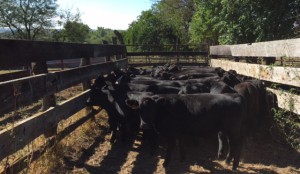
(175, 103)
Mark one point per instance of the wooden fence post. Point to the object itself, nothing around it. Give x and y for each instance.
(107, 58)
(48, 101)
(115, 42)
(87, 84)
(268, 60)
(121, 40)
(41, 68)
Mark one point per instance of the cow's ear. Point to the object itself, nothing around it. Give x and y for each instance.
(132, 103)
(161, 100)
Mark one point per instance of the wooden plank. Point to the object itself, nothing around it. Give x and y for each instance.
(108, 50)
(14, 75)
(24, 91)
(68, 78)
(282, 75)
(220, 50)
(287, 101)
(161, 64)
(15, 138)
(21, 52)
(168, 53)
(279, 48)
(20, 164)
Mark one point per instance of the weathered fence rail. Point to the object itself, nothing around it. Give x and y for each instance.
(276, 74)
(14, 75)
(184, 58)
(20, 53)
(26, 90)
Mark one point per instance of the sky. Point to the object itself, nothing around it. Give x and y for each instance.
(113, 14)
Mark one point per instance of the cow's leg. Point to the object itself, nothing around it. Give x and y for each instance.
(123, 129)
(235, 148)
(181, 149)
(151, 137)
(171, 142)
(237, 153)
(113, 128)
(222, 138)
(229, 156)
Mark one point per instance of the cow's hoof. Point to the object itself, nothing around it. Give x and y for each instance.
(221, 156)
(235, 165)
(227, 161)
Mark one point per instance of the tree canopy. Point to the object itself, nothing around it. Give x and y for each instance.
(99, 35)
(167, 22)
(215, 22)
(27, 19)
(243, 21)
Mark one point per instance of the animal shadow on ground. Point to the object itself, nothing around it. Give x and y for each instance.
(134, 157)
(145, 162)
(201, 157)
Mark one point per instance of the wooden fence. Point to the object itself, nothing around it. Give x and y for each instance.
(186, 55)
(185, 58)
(24, 91)
(268, 53)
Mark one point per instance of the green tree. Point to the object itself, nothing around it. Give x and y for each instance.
(150, 32)
(75, 31)
(97, 36)
(243, 21)
(27, 19)
(177, 14)
(203, 27)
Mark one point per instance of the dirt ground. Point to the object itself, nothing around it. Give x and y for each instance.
(262, 154)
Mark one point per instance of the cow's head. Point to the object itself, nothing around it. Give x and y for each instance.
(148, 107)
(99, 91)
(230, 79)
(98, 96)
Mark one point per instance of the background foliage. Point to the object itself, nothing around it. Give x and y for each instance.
(167, 22)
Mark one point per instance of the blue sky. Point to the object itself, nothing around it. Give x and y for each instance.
(114, 14)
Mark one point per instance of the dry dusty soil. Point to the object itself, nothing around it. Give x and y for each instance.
(262, 153)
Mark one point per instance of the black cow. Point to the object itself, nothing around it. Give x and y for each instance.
(175, 83)
(195, 88)
(255, 97)
(111, 97)
(156, 89)
(220, 87)
(175, 116)
(230, 79)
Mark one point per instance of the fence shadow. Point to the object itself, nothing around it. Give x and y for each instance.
(267, 148)
(86, 154)
(114, 160)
